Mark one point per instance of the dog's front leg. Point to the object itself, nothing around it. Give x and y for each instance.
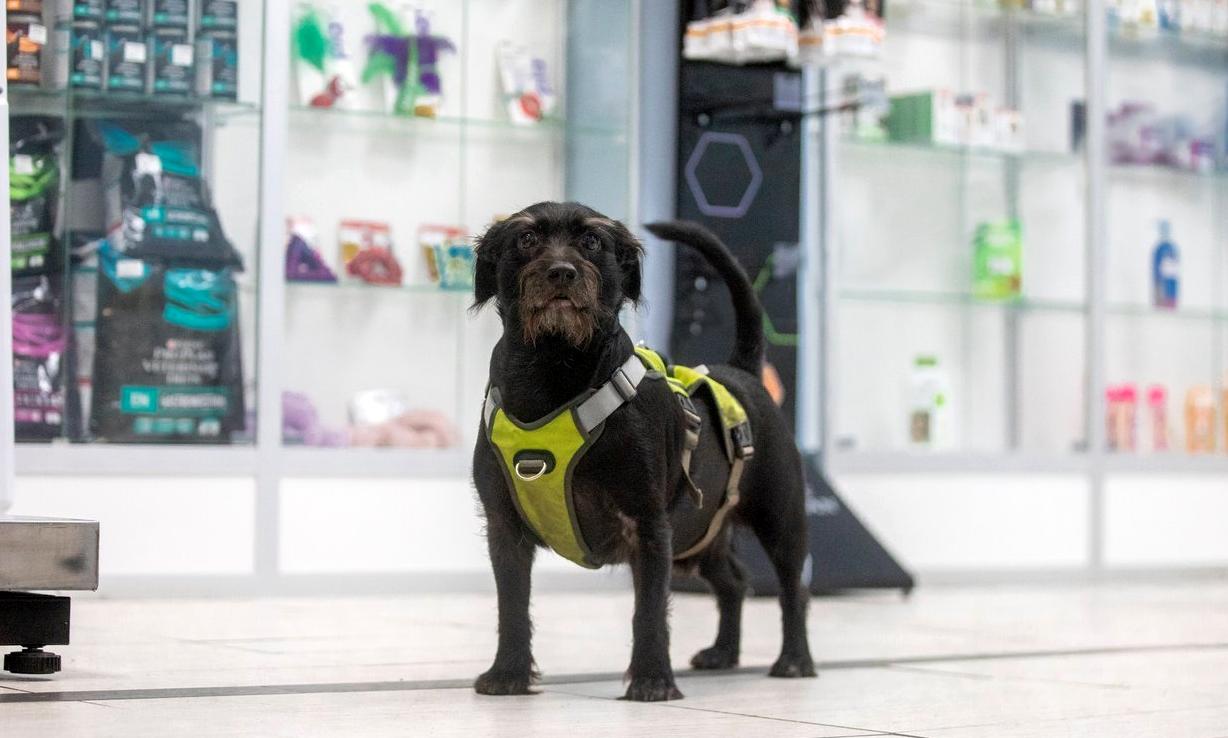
(511, 555)
(652, 677)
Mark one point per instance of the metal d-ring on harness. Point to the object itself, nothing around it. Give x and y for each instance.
(540, 457)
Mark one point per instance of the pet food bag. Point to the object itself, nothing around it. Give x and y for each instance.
(34, 186)
(39, 344)
(156, 203)
(167, 359)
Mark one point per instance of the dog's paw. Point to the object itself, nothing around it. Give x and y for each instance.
(504, 682)
(714, 657)
(789, 666)
(652, 689)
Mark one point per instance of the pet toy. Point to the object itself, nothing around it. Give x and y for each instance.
(408, 60)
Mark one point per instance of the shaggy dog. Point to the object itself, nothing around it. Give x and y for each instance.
(559, 273)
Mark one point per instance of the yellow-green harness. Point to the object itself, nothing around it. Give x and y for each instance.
(539, 458)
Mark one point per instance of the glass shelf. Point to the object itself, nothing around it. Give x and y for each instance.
(98, 104)
(1188, 48)
(980, 20)
(1051, 158)
(959, 299)
(363, 288)
(1153, 172)
(1197, 314)
(1121, 172)
(379, 121)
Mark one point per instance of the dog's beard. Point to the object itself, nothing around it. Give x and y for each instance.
(572, 312)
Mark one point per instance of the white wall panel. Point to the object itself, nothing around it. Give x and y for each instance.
(154, 526)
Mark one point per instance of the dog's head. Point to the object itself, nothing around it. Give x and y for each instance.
(558, 269)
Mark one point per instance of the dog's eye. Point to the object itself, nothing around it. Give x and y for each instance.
(590, 242)
(527, 240)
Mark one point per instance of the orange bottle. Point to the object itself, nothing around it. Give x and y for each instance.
(1200, 420)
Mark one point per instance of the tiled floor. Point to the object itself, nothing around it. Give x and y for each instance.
(1108, 660)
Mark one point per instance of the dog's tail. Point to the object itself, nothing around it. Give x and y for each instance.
(749, 341)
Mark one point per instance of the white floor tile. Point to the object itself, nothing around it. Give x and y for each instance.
(957, 662)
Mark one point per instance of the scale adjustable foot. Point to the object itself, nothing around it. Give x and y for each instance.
(32, 660)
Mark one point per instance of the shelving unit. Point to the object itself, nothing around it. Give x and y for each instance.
(269, 157)
(898, 279)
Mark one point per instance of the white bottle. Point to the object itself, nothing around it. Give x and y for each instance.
(930, 414)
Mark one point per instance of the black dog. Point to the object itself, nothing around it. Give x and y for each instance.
(559, 273)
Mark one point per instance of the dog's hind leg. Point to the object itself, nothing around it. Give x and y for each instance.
(724, 573)
(783, 535)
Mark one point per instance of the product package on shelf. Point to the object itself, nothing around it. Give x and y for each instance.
(129, 13)
(405, 53)
(170, 14)
(79, 55)
(34, 187)
(39, 345)
(998, 260)
(127, 57)
(82, 312)
(167, 364)
(940, 116)
(25, 38)
(323, 70)
(172, 68)
(91, 10)
(303, 260)
(367, 253)
(447, 253)
(528, 95)
(156, 201)
(382, 417)
(217, 65)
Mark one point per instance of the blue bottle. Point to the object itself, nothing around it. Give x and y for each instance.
(1165, 270)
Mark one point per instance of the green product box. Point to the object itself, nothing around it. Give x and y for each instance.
(997, 262)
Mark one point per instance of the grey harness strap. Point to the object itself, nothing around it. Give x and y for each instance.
(612, 395)
(600, 405)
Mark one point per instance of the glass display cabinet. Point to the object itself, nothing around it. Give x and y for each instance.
(387, 185)
(950, 168)
(134, 143)
(345, 164)
(997, 292)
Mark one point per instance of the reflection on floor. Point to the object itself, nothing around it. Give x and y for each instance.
(1108, 660)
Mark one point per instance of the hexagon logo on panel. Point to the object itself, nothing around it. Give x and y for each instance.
(752, 174)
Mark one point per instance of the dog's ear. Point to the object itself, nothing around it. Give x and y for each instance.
(487, 250)
(627, 251)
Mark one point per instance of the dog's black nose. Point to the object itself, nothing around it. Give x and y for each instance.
(560, 272)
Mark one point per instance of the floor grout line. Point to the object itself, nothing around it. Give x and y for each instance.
(581, 678)
(673, 704)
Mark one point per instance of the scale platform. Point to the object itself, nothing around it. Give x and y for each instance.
(42, 554)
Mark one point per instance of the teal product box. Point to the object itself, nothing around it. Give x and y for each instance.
(172, 69)
(455, 262)
(170, 14)
(127, 56)
(217, 66)
(125, 12)
(218, 15)
(86, 54)
(92, 10)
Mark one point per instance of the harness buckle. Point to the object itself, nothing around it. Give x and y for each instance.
(623, 386)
